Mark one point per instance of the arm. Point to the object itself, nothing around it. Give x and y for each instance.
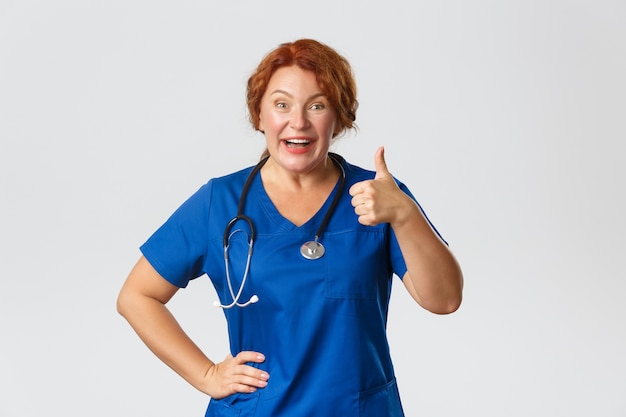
(433, 278)
(141, 302)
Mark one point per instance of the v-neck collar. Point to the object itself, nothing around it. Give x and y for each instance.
(284, 224)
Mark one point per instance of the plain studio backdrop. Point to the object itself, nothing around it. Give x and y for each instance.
(507, 120)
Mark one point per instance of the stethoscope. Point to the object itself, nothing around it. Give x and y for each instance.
(311, 250)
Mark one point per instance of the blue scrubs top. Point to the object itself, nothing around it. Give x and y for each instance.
(321, 324)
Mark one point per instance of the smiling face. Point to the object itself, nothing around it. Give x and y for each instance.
(297, 119)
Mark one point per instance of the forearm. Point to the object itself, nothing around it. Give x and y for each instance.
(434, 278)
(162, 334)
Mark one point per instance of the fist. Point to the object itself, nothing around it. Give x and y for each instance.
(375, 201)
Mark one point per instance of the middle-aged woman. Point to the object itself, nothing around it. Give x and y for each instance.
(307, 313)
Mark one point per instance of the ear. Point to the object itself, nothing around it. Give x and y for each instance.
(260, 124)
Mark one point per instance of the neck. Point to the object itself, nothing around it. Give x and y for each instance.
(321, 175)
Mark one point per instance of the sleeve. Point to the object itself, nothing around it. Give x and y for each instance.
(397, 260)
(177, 250)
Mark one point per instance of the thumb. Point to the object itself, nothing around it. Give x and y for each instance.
(380, 164)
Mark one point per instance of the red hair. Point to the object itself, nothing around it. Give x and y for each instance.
(332, 71)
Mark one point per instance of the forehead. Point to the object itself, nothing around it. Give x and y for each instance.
(293, 80)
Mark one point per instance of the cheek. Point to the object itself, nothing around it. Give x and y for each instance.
(265, 119)
(333, 127)
(270, 122)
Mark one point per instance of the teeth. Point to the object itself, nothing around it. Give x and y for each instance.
(297, 141)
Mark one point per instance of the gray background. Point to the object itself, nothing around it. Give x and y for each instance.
(506, 120)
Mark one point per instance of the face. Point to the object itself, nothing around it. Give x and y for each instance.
(297, 119)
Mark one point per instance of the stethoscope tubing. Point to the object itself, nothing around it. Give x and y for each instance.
(228, 231)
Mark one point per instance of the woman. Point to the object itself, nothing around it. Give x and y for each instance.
(307, 313)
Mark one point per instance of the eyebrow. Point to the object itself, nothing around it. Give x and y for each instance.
(279, 91)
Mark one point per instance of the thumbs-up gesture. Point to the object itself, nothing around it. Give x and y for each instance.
(379, 200)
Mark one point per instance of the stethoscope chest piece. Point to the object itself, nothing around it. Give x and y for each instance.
(312, 250)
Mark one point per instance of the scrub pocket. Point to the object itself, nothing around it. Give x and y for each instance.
(236, 405)
(358, 266)
(381, 401)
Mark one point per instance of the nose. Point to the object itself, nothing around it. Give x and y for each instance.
(299, 119)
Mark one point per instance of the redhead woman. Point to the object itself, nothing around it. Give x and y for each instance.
(302, 250)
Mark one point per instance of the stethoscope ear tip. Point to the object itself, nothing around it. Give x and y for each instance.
(216, 304)
(254, 299)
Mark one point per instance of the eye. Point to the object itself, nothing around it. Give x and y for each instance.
(281, 105)
(318, 106)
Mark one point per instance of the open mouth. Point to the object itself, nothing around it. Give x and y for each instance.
(297, 143)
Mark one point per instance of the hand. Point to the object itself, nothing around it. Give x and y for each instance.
(377, 201)
(233, 375)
